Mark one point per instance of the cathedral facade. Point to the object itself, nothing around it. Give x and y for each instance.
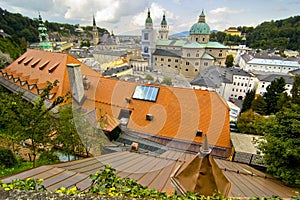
(186, 57)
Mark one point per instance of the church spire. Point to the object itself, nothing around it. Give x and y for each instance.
(94, 21)
(202, 17)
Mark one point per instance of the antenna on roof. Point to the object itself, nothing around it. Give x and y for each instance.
(204, 149)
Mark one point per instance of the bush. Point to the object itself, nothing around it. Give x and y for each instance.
(7, 158)
(47, 157)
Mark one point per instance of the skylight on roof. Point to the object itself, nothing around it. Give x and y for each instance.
(146, 93)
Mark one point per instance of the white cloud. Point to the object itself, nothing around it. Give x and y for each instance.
(156, 12)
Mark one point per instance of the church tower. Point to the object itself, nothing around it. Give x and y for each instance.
(163, 32)
(95, 32)
(43, 36)
(148, 40)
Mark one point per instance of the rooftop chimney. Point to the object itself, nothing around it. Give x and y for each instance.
(76, 83)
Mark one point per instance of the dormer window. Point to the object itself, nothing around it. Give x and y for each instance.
(40, 91)
(50, 96)
(23, 83)
(16, 80)
(30, 87)
(9, 76)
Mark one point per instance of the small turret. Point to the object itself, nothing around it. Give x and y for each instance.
(148, 23)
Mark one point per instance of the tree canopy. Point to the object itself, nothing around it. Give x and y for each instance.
(281, 146)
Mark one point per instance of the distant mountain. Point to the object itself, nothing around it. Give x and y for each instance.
(186, 34)
(181, 34)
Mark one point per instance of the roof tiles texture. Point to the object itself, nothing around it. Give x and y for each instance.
(178, 113)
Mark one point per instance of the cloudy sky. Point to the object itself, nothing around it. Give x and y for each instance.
(128, 16)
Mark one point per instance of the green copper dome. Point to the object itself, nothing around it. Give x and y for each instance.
(200, 27)
(148, 20)
(164, 21)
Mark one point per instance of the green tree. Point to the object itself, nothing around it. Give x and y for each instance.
(259, 105)
(66, 136)
(281, 145)
(248, 121)
(167, 81)
(37, 122)
(250, 95)
(229, 60)
(295, 91)
(274, 90)
(149, 77)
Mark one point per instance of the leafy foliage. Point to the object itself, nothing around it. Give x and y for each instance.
(295, 91)
(47, 157)
(274, 91)
(248, 100)
(281, 146)
(258, 105)
(229, 60)
(27, 184)
(7, 157)
(248, 122)
(167, 81)
(149, 77)
(280, 34)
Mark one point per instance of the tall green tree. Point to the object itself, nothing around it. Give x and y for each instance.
(281, 145)
(259, 105)
(250, 95)
(295, 91)
(229, 60)
(274, 91)
(67, 136)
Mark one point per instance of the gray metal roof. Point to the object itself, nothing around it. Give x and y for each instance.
(163, 52)
(271, 77)
(154, 172)
(214, 76)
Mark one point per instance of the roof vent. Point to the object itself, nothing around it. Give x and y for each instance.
(86, 83)
(199, 133)
(149, 117)
(134, 146)
(127, 99)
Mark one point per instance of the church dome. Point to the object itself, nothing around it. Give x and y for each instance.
(200, 27)
(163, 21)
(149, 19)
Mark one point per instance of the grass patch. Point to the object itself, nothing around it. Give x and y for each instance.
(15, 169)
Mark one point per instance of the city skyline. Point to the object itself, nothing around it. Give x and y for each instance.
(127, 17)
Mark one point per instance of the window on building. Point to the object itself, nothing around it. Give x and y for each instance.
(196, 39)
(146, 36)
(196, 70)
(176, 60)
(188, 55)
(233, 83)
(205, 64)
(186, 70)
(176, 66)
(249, 85)
(169, 60)
(220, 54)
(155, 59)
(242, 84)
(238, 84)
(197, 55)
(161, 59)
(187, 63)
(236, 90)
(233, 89)
(196, 63)
(199, 133)
(169, 65)
(245, 84)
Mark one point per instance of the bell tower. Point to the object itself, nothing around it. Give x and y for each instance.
(95, 32)
(164, 30)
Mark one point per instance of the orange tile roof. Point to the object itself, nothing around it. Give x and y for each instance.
(38, 67)
(178, 112)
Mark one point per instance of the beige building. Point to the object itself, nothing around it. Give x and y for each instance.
(188, 57)
(233, 31)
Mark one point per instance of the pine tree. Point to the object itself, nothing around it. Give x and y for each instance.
(248, 100)
(295, 91)
(274, 90)
(259, 105)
